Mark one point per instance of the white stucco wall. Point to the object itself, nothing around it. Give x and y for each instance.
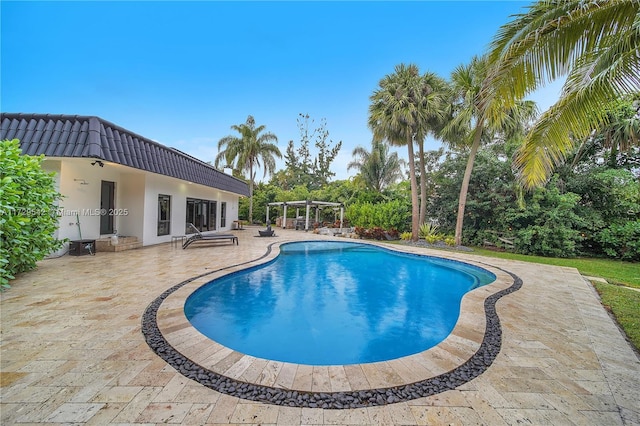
(136, 200)
(130, 196)
(80, 185)
(179, 191)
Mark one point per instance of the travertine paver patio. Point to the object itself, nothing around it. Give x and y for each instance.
(72, 351)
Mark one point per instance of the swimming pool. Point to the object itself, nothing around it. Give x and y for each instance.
(335, 303)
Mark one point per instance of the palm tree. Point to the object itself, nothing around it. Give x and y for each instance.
(475, 115)
(434, 103)
(466, 81)
(395, 115)
(378, 168)
(249, 152)
(594, 43)
(622, 129)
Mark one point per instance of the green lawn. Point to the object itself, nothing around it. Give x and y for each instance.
(614, 271)
(625, 306)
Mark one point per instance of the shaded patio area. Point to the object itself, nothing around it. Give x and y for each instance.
(72, 351)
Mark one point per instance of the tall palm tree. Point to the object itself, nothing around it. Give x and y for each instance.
(378, 168)
(593, 43)
(252, 150)
(435, 92)
(474, 116)
(466, 81)
(395, 115)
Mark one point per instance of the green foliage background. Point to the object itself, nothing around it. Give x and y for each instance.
(28, 215)
(395, 214)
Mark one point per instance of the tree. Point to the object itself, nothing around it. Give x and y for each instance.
(622, 128)
(492, 191)
(300, 166)
(477, 115)
(429, 162)
(378, 168)
(396, 114)
(326, 155)
(466, 81)
(435, 93)
(594, 43)
(246, 152)
(28, 212)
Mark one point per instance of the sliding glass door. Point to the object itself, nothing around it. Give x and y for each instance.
(202, 214)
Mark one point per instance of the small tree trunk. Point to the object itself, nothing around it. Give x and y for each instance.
(613, 155)
(462, 201)
(250, 194)
(414, 191)
(423, 184)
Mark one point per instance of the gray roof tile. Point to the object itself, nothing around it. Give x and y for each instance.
(92, 137)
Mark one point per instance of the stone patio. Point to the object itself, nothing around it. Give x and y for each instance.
(72, 351)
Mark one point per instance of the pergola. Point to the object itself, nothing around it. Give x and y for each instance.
(308, 205)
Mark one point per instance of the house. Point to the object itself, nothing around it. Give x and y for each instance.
(115, 181)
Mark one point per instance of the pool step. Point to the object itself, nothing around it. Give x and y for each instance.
(124, 243)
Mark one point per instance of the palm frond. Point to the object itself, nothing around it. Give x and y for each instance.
(569, 120)
(596, 43)
(541, 45)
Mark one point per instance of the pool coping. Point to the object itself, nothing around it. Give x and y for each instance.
(465, 354)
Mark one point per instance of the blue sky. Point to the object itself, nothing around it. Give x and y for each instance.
(182, 73)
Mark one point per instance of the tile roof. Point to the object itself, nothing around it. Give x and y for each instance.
(92, 137)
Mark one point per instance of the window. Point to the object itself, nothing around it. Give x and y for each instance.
(164, 214)
(223, 214)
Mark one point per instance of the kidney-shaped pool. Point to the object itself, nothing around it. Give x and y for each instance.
(335, 303)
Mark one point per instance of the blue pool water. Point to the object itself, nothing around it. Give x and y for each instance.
(333, 303)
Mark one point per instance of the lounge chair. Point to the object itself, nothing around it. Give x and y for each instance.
(199, 237)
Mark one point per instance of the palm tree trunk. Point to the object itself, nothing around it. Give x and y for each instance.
(423, 184)
(462, 202)
(414, 191)
(250, 193)
(613, 155)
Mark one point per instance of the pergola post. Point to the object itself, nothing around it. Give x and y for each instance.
(341, 217)
(306, 225)
(267, 218)
(284, 219)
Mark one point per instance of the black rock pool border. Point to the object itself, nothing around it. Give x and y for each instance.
(472, 368)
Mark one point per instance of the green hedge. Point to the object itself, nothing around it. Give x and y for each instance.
(28, 213)
(621, 241)
(389, 215)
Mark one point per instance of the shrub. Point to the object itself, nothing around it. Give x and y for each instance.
(375, 233)
(433, 238)
(28, 215)
(405, 236)
(428, 230)
(450, 241)
(390, 215)
(548, 226)
(549, 240)
(621, 241)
